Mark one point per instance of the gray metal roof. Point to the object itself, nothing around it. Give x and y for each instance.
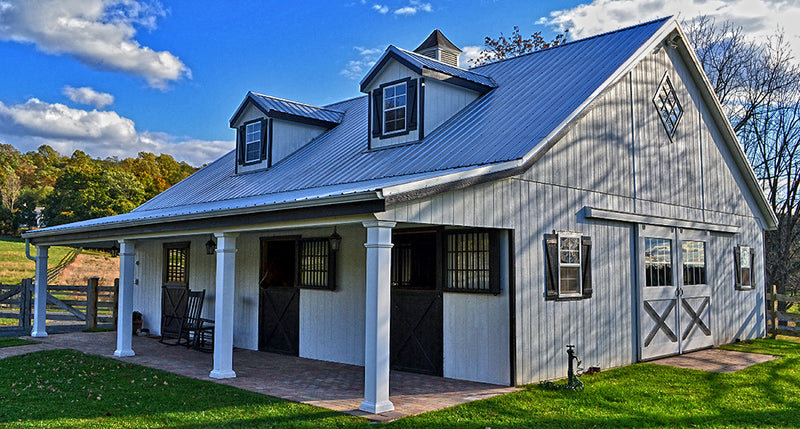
(534, 95)
(268, 104)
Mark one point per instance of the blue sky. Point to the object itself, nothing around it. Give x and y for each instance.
(115, 77)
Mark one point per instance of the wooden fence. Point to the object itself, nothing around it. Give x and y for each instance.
(91, 303)
(781, 322)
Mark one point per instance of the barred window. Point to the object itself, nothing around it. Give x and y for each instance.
(658, 262)
(471, 262)
(315, 264)
(694, 262)
(176, 261)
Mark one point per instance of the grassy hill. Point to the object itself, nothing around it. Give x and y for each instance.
(14, 266)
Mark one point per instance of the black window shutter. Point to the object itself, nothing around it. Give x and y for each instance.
(737, 267)
(752, 267)
(377, 103)
(240, 148)
(264, 139)
(586, 265)
(411, 98)
(551, 267)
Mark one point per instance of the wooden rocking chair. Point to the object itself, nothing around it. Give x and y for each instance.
(195, 331)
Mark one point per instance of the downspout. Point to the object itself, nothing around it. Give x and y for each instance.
(28, 250)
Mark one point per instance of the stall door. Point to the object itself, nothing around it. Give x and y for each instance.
(675, 298)
(279, 298)
(416, 326)
(174, 288)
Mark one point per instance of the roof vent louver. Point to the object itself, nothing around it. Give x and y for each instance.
(438, 47)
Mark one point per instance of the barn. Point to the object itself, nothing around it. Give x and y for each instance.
(464, 223)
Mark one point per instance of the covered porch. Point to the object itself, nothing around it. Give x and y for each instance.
(330, 385)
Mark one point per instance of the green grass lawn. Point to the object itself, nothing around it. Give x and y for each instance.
(69, 389)
(5, 321)
(14, 266)
(13, 342)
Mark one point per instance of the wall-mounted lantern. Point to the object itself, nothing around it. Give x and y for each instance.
(115, 250)
(211, 246)
(335, 240)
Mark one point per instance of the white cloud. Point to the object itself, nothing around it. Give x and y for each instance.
(86, 95)
(98, 33)
(413, 7)
(382, 9)
(758, 18)
(469, 53)
(98, 133)
(356, 68)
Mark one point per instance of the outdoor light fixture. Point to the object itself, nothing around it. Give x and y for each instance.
(115, 250)
(211, 246)
(335, 240)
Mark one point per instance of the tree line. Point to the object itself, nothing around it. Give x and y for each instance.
(45, 188)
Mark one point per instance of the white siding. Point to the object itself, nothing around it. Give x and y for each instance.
(288, 136)
(442, 101)
(332, 322)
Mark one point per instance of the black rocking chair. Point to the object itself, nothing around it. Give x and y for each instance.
(196, 331)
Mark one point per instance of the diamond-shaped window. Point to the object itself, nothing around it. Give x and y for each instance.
(669, 108)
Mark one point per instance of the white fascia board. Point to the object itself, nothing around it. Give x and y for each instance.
(449, 178)
(728, 133)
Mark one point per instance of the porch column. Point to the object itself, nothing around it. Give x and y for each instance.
(127, 260)
(223, 306)
(376, 358)
(40, 294)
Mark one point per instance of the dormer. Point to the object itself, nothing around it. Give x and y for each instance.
(413, 93)
(438, 47)
(268, 129)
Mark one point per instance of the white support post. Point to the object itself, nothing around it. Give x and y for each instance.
(127, 260)
(40, 293)
(376, 347)
(223, 306)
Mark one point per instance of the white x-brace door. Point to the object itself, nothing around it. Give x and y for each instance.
(674, 295)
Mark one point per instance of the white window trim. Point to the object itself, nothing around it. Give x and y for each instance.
(579, 293)
(257, 142)
(384, 110)
(749, 252)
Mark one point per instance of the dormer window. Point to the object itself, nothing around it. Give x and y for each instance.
(253, 142)
(394, 108)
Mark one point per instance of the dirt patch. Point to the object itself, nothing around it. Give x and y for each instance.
(89, 265)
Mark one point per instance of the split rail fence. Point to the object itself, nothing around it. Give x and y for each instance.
(92, 303)
(782, 322)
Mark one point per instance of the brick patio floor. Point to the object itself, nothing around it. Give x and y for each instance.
(715, 360)
(330, 385)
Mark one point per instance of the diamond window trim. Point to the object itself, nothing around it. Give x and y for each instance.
(669, 107)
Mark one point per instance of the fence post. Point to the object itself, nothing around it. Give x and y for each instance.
(115, 298)
(774, 301)
(91, 302)
(26, 287)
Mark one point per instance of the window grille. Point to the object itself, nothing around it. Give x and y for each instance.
(658, 262)
(694, 262)
(668, 105)
(469, 266)
(315, 262)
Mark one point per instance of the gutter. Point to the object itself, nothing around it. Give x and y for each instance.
(217, 213)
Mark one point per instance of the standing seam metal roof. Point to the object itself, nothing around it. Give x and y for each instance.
(534, 94)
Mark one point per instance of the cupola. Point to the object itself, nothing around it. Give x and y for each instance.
(437, 46)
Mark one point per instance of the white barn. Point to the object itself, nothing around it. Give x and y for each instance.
(464, 223)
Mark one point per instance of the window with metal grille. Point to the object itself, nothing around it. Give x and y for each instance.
(394, 108)
(694, 262)
(471, 262)
(176, 262)
(658, 261)
(315, 264)
(252, 142)
(668, 105)
(414, 260)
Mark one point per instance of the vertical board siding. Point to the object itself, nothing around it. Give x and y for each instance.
(288, 136)
(594, 163)
(332, 322)
(442, 101)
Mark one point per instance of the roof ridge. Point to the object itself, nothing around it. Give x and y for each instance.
(573, 42)
(293, 101)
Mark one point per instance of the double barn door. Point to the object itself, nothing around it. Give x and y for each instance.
(675, 295)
